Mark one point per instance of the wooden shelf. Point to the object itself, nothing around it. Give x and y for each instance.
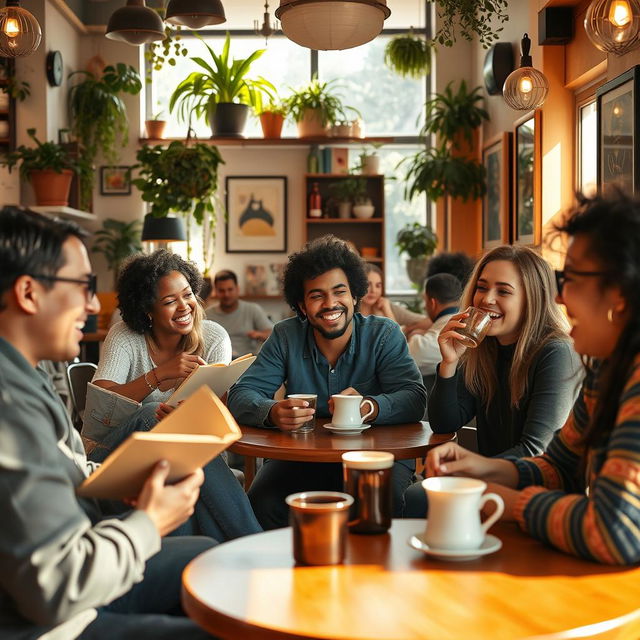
(275, 142)
(66, 212)
(335, 176)
(344, 220)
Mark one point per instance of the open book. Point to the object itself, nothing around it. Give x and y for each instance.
(219, 377)
(196, 432)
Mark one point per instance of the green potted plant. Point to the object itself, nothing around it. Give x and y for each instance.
(409, 55)
(99, 118)
(222, 92)
(272, 116)
(344, 193)
(155, 126)
(369, 160)
(116, 241)
(418, 242)
(48, 167)
(315, 108)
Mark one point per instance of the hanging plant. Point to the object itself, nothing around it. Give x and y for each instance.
(472, 18)
(408, 55)
(166, 51)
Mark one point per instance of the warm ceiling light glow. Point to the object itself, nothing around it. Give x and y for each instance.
(11, 28)
(620, 13)
(525, 88)
(526, 84)
(613, 25)
(20, 33)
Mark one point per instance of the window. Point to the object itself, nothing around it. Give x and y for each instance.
(587, 148)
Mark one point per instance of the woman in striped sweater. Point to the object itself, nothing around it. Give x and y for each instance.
(583, 495)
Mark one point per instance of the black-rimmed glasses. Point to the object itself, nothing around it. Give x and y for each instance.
(561, 278)
(91, 282)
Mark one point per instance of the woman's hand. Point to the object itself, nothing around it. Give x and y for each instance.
(449, 341)
(173, 371)
(163, 411)
(384, 306)
(450, 459)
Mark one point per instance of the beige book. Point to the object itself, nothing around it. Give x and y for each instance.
(219, 377)
(189, 437)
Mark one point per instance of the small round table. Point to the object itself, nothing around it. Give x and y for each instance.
(405, 441)
(386, 590)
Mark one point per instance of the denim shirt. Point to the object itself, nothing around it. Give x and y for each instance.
(376, 363)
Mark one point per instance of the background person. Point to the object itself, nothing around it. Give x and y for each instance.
(583, 495)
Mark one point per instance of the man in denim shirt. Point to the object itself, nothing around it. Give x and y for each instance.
(327, 349)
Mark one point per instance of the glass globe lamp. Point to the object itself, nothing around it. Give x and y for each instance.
(525, 88)
(20, 33)
(613, 25)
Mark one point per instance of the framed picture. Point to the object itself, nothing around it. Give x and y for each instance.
(496, 159)
(115, 181)
(255, 280)
(256, 214)
(617, 138)
(526, 222)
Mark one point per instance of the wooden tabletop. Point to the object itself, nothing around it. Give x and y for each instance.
(250, 588)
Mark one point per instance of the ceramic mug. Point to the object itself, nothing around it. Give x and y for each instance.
(346, 410)
(454, 512)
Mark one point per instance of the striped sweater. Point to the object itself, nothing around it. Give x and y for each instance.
(595, 515)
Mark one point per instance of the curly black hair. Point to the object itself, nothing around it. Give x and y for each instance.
(138, 284)
(318, 257)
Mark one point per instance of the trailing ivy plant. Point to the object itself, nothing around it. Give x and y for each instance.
(472, 19)
(408, 55)
(166, 51)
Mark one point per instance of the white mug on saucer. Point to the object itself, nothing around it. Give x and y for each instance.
(346, 410)
(454, 512)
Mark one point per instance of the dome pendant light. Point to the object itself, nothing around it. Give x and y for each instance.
(20, 33)
(135, 24)
(525, 88)
(332, 24)
(613, 25)
(195, 14)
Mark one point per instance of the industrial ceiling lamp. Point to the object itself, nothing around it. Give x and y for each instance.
(266, 29)
(332, 24)
(20, 33)
(525, 88)
(195, 14)
(613, 25)
(135, 24)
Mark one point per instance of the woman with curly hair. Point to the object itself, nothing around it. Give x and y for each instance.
(163, 337)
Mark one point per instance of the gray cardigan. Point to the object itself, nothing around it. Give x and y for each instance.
(59, 559)
(503, 430)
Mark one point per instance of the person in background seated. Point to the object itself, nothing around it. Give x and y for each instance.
(206, 293)
(441, 295)
(162, 339)
(375, 304)
(520, 382)
(327, 349)
(66, 570)
(582, 495)
(246, 323)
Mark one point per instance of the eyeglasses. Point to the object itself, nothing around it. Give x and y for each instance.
(561, 278)
(91, 282)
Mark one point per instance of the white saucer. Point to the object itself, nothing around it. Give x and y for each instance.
(490, 544)
(346, 429)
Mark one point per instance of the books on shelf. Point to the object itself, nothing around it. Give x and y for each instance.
(189, 437)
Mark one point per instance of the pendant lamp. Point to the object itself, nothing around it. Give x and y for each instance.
(20, 33)
(195, 14)
(613, 25)
(135, 24)
(525, 88)
(332, 24)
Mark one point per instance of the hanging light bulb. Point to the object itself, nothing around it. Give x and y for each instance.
(195, 14)
(525, 88)
(266, 29)
(135, 24)
(20, 33)
(613, 25)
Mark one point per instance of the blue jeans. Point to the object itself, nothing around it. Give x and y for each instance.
(151, 608)
(415, 501)
(222, 511)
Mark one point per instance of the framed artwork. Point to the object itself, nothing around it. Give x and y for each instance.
(115, 181)
(526, 221)
(496, 159)
(255, 280)
(256, 214)
(617, 138)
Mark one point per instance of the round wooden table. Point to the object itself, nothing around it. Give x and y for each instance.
(250, 588)
(405, 441)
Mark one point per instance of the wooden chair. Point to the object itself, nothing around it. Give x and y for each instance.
(79, 374)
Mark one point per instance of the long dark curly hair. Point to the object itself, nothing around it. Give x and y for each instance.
(138, 291)
(318, 257)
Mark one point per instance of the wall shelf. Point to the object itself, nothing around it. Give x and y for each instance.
(272, 142)
(67, 213)
(344, 220)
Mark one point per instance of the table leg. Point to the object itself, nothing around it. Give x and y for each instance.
(249, 471)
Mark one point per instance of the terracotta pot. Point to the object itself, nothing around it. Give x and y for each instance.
(271, 124)
(371, 165)
(155, 129)
(369, 252)
(311, 125)
(51, 188)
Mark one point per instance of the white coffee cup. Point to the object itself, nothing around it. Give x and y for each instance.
(346, 410)
(454, 512)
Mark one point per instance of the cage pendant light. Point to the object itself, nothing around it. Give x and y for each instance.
(135, 24)
(20, 33)
(332, 24)
(613, 25)
(525, 88)
(195, 14)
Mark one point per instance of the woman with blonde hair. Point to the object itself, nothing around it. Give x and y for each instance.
(520, 382)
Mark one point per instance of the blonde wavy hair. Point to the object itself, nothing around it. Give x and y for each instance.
(543, 322)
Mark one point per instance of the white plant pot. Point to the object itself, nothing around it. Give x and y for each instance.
(371, 165)
(341, 131)
(344, 210)
(363, 211)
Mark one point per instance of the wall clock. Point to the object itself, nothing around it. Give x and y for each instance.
(54, 68)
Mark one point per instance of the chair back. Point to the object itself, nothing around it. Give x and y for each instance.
(79, 374)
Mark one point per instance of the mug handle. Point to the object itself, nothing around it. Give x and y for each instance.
(490, 521)
(367, 415)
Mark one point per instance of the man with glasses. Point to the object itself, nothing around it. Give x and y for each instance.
(60, 558)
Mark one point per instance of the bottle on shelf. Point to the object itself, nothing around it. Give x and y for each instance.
(315, 201)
